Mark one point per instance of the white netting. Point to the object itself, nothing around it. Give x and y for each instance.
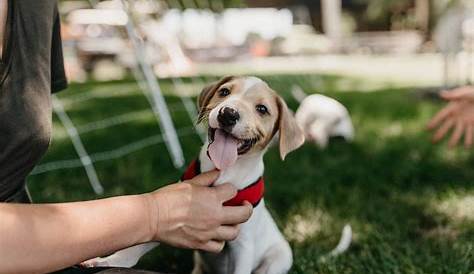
(150, 87)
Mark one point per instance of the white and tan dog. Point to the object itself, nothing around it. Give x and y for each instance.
(243, 114)
(322, 117)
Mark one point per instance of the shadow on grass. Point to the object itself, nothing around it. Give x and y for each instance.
(386, 195)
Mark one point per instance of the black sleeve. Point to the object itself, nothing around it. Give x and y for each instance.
(58, 75)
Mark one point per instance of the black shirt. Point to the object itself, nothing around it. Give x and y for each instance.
(31, 69)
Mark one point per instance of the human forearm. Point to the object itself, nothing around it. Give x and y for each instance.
(42, 238)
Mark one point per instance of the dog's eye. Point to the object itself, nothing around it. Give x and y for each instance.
(223, 92)
(261, 109)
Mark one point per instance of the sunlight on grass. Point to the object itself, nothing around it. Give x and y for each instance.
(457, 208)
(392, 130)
(306, 223)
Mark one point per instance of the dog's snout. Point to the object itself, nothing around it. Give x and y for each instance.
(228, 117)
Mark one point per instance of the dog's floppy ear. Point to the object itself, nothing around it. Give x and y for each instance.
(290, 134)
(207, 93)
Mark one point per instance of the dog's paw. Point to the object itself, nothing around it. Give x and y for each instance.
(96, 262)
(115, 260)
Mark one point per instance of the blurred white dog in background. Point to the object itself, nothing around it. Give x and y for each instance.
(322, 117)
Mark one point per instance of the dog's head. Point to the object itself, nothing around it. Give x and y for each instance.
(243, 115)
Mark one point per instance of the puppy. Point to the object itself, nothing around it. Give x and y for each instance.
(322, 117)
(243, 115)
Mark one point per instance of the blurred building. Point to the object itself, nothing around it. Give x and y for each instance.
(178, 34)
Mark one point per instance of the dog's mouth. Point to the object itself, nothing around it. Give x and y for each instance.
(224, 147)
(243, 144)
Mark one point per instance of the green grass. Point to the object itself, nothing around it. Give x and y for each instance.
(410, 203)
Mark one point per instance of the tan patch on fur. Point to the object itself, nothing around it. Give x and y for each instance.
(291, 135)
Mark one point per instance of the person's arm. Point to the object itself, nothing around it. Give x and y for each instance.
(46, 237)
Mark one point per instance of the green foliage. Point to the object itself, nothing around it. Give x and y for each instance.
(403, 196)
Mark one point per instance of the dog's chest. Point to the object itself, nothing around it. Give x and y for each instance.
(243, 173)
(256, 236)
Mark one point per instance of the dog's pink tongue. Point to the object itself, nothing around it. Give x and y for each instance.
(223, 151)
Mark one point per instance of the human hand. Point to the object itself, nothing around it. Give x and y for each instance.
(461, 93)
(191, 214)
(459, 113)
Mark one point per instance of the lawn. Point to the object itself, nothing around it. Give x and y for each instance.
(410, 203)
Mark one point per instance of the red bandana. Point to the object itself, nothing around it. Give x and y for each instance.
(252, 193)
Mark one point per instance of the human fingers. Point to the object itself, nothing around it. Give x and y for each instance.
(468, 136)
(227, 232)
(225, 192)
(212, 246)
(465, 92)
(441, 115)
(457, 133)
(237, 214)
(442, 130)
(205, 179)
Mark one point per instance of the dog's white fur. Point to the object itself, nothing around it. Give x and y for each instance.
(322, 117)
(259, 248)
(251, 81)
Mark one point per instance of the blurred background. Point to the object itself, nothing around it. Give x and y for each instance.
(127, 122)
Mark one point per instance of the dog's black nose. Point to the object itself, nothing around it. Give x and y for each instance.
(228, 117)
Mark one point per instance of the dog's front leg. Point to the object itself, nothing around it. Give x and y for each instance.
(127, 257)
(242, 255)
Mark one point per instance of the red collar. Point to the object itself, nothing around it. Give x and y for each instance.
(252, 193)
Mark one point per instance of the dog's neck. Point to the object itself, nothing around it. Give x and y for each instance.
(246, 170)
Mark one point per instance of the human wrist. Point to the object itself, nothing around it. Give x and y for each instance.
(152, 214)
(170, 205)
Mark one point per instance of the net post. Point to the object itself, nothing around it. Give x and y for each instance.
(78, 146)
(158, 102)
